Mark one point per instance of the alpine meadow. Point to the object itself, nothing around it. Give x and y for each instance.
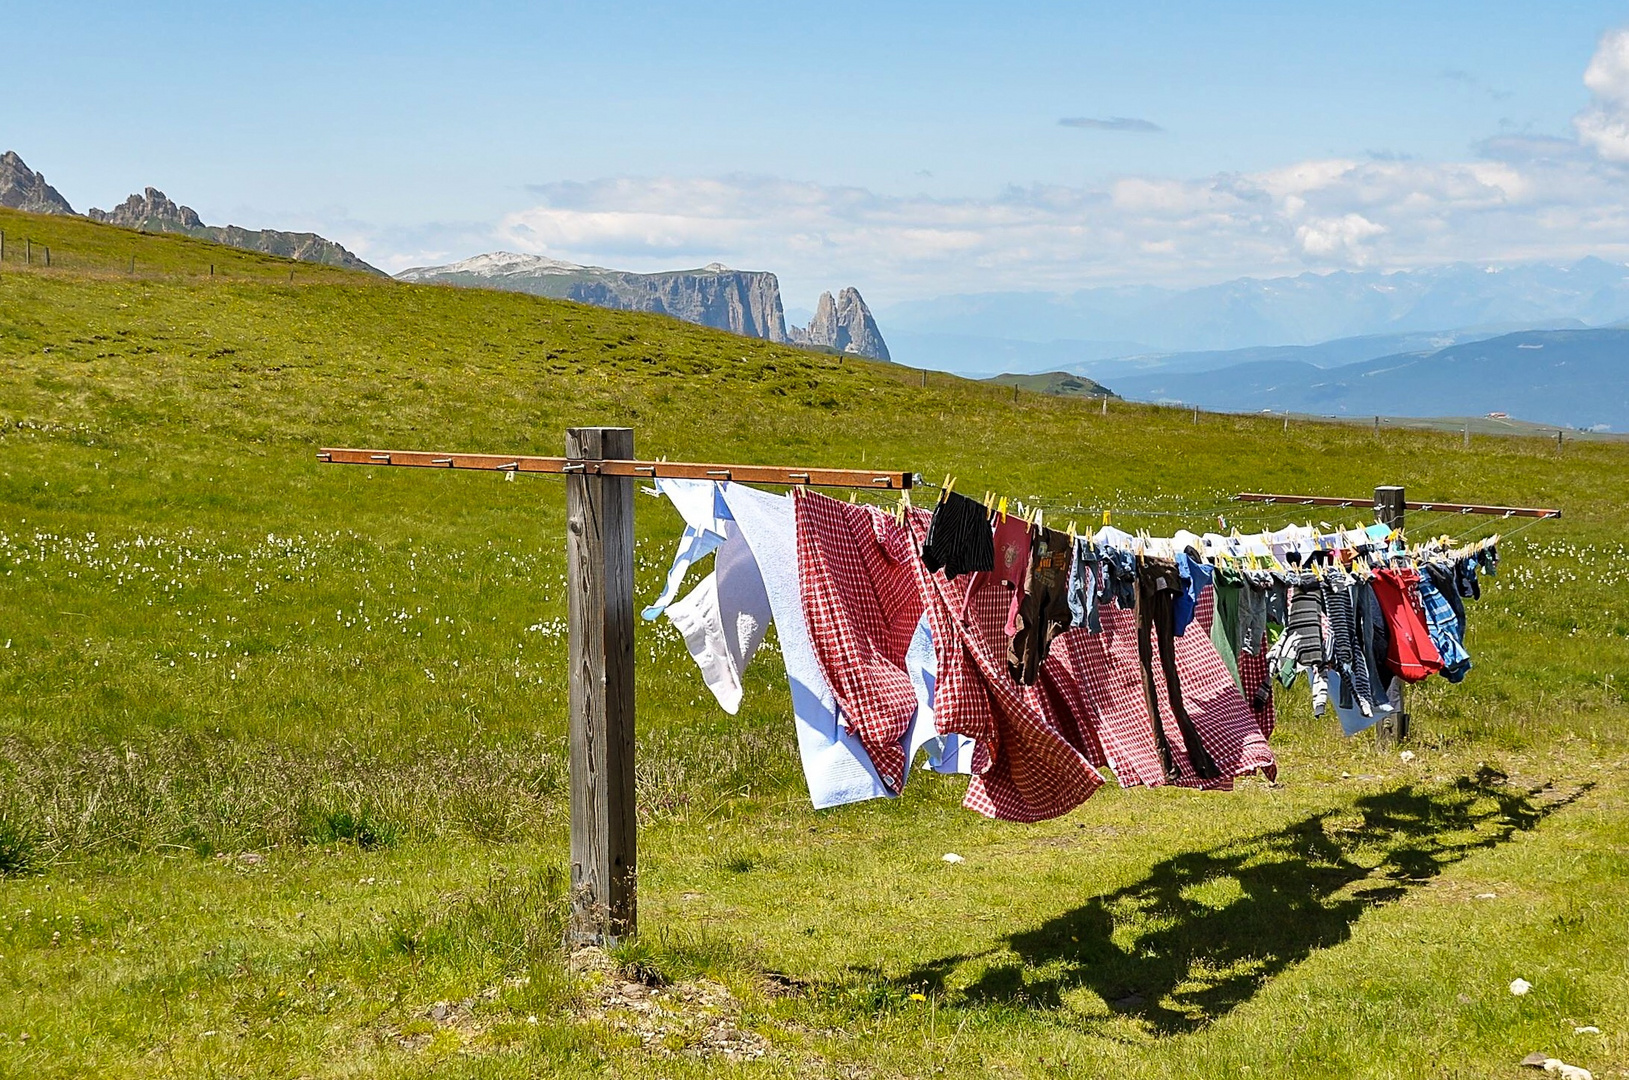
(283, 782)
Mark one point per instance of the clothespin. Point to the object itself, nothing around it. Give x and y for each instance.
(1038, 515)
(1073, 536)
(1105, 518)
(905, 503)
(1001, 506)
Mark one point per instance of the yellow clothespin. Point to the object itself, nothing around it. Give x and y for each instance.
(1073, 536)
(1001, 506)
(1105, 517)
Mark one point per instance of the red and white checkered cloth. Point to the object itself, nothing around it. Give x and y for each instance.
(1024, 766)
(1229, 730)
(857, 573)
(1252, 673)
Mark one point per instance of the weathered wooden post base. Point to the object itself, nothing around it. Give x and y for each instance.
(600, 611)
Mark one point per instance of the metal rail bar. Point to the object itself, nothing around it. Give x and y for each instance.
(1441, 507)
(880, 480)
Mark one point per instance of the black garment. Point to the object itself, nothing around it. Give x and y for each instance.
(1158, 585)
(1465, 579)
(959, 539)
(1374, 635)
(1345, 648)
(1044, 612)
(1278, 600)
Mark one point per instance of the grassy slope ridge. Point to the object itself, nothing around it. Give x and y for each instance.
(215, 645)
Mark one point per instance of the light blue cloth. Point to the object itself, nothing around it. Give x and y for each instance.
(702, 507)
(1196, 578)
(946, 753)
(835, 764)
(1351, 717)
(1444, 630)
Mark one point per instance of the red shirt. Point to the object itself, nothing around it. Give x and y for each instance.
(1411, 653)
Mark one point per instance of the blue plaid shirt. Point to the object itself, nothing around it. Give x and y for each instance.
(1444, 629)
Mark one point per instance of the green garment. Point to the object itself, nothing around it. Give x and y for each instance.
(1224, 625)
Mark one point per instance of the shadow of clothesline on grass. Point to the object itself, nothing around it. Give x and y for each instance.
(1204, 930)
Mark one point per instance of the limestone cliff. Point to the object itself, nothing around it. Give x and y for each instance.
(153, 211)
(21, 188)
(844, 324)
(746, 302)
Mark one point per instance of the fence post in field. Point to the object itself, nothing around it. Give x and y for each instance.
(28, 260)
(1105, 405)
(1389, 510)
(48, 258)
(2, 246)
(599, 576)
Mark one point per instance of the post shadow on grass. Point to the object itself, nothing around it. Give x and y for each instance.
(1204, 930)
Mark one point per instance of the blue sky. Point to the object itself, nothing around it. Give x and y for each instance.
(913, 150)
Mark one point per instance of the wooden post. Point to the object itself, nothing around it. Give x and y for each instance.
(599, 575)
(1105, 405)
(2, 245)
(48, 258)
(1467, 434)
(1286, 423)
(1389, 510)
(1015, 393)
(1377, 427)
(28, 260)
(924, 376)
(1558, 440)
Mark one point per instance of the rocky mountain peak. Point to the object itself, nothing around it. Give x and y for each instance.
(845, 324)
(21, 188)
(152, 210)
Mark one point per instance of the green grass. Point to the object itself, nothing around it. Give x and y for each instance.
(282, 782)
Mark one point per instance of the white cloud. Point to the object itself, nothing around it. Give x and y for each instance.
(1518, 197)
(1314, 215)
(1341, 237)
(1604, 125)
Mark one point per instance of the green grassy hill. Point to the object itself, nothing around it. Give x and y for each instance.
(1055, 382)
(282, 783)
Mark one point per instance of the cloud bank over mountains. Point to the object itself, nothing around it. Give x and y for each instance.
(1514, 198)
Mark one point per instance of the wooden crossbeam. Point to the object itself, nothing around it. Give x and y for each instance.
(1440, 507)
(881, 480)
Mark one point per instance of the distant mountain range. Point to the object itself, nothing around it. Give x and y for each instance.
(1095, 324)
(746, 302)
(1569, 378)
(23, 189)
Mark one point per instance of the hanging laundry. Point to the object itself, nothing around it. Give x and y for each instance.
(724, 618)
(1158, 586)
(1043, 610)
(1023, 767)
(860, 597)
(1012, 552)
(1411, 654)
(835, 764)
(959, 540)
(1196, 578)
(1345, 657)
(1084, 585)
(1444, 628)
